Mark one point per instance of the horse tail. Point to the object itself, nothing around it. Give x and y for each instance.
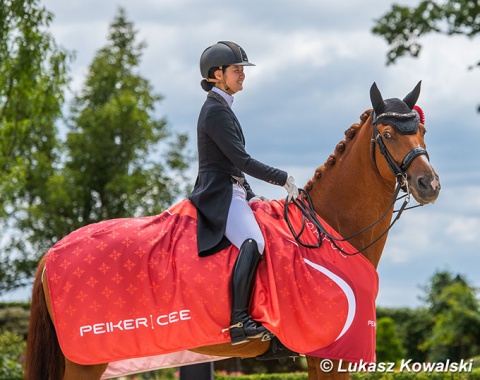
(44, 360)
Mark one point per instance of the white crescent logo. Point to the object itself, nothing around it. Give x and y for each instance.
(352, 304)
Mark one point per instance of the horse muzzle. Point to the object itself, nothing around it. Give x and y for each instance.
(426, 187)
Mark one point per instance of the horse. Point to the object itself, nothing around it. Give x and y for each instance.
(354, 191)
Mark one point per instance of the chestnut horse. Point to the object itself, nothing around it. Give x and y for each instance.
(354, 191)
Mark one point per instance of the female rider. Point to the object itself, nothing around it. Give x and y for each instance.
(221, 193)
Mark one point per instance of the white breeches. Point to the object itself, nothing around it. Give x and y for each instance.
(241, 223)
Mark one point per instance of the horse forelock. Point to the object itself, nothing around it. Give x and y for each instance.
(350, 134)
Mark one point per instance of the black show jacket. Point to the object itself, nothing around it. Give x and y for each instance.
(221, 155)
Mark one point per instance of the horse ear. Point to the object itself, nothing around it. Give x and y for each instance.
(376, 99)
(411, 99)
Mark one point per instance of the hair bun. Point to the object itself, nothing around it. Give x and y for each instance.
(206, 85)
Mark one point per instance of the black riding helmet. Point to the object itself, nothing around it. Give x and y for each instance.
(223, 53)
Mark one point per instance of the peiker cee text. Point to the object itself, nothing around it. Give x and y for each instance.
(135, 323)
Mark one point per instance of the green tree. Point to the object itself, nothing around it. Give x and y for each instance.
(434, 290)
(121, 160)
(12, 350)
(389, 346)
(33, 75)
(403, 26)
(413, 326)
(455, 309)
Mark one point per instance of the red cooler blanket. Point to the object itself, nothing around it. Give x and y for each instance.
(135, 288)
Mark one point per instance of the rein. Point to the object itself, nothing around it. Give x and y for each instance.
(304, 203)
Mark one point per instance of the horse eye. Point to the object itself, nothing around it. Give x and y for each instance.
(387, 135)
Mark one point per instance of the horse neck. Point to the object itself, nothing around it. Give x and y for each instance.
(349, 194)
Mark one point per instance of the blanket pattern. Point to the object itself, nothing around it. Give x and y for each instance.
(136, 287)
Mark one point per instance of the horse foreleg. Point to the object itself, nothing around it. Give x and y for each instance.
(74, 371)
(319, 369)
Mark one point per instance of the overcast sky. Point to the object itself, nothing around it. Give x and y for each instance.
(316, 61)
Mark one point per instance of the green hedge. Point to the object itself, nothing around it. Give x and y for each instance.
(476, 362)
(14, 319)
(474, 375)
(274, 376)
(12, 348)
(23, 305)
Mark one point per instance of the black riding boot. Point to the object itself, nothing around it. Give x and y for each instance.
(242, 326)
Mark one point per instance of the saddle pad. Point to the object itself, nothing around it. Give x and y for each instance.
(136, 287)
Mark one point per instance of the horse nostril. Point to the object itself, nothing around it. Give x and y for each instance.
(429, 184)
(422, 185)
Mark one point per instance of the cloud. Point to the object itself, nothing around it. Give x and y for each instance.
(464, 229)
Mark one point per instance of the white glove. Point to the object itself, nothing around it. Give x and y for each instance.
(258, 198)
(291, 188)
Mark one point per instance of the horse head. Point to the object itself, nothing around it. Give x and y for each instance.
(398, 136)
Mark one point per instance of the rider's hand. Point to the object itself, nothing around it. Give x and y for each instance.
(291, 188)
(258, 198)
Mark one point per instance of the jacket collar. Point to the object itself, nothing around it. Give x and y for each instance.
(227, 97)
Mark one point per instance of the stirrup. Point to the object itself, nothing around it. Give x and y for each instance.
(238, 336)
(244, 338)
(236, 325)
(267, 335)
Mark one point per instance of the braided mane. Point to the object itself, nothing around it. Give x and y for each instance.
(339, 149)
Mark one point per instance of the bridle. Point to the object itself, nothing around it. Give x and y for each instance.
(304, 203)
(398, 170)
